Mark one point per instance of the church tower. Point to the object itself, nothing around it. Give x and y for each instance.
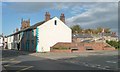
(25, 23)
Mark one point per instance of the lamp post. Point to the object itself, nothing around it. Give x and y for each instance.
(76, 32)
(103, 37)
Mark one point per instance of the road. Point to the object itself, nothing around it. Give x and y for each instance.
(101, 62)
(21, 61)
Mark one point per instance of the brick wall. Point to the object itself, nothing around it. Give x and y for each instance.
(82, 46)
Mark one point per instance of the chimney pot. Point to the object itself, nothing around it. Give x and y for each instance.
(47, 16)
(62, 17)
(17, 29)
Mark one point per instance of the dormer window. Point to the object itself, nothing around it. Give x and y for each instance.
(55, 22)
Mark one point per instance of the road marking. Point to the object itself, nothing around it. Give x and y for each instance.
(11, 62)
(86, 64)
(15, 66)
(98, 65)
(93, 66)
(107, 67)
(103, 68)
(111, 61)
(12, 59)
(25, 68)
(6, 65)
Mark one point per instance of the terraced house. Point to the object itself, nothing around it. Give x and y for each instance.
(41, 36)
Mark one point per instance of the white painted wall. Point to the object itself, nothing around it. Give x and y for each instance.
(50, 34)
(10, 42)
(1, 41)
(5, 39)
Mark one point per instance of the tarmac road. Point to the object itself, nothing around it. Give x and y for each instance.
(21, 61)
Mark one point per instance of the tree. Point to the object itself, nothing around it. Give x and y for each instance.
(76, 28)
(99, 29)
(89, 31)
(107, 30)
(115, 44)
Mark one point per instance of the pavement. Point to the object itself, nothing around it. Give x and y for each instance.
(106, 60)
(55, 56)
(21, 61)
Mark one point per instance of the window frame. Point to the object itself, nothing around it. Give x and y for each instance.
(55, 22)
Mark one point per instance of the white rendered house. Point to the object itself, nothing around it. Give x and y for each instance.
(42, 35)
(52, 32)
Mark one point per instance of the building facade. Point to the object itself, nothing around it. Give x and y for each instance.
(1, 40)
(42, 35)
(52, 32)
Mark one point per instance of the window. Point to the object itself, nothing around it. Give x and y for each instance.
(32, 33)
(55, 22)
(10, 40)
(19, 36)
(32, 44)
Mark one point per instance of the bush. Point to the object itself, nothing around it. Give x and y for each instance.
(115, 44)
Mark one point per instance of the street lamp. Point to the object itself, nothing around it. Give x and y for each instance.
(76, 32)
(103, 37)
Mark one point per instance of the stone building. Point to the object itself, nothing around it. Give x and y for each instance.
(25, 23)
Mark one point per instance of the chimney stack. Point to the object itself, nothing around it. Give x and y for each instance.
(114, 33)
(17, 29)
(47, 16)
(62, 17)
(28, 22)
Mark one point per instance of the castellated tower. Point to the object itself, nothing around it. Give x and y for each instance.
(25, 23)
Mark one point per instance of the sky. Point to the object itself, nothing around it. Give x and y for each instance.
(85, 14)
(59, 0)
(0, 17)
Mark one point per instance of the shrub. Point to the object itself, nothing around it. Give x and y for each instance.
(115, 44)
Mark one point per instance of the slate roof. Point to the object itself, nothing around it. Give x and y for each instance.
(82, 36)
(110, 34)
(29, 28)
(37, 24)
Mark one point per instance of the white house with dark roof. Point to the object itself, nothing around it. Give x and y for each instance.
(52, 32)
(42, 35)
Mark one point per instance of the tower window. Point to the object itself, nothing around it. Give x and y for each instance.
(55, 22)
